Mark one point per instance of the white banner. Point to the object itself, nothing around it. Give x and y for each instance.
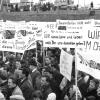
(17, 37)
(88, 62)
(70, 33)
(14, 1)
(59, 38)
(66, 64)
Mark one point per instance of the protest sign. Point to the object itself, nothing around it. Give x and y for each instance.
(1, 29)
(37, 28)
(24, 40)
(58, 38)
(8, 25)
(73, 33)
(73, 25)
(7, 41)
(70, 33)
(96, 23)
(9, 45)
(92, 39)
(66, 64)
(51, 25)
(16, 37)
(88, 62)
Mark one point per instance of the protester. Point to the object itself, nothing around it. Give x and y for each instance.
(26, 85)
(34, 71)
(13, 88)
(89, 86)
(25, 77)
(45, 86)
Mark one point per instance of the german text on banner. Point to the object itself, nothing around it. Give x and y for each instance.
(88, 62)
(66, 64)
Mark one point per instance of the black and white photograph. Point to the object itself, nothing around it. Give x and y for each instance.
(88, 74)
(37, 75)
(49, 49)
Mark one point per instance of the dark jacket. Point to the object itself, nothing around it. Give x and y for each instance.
(34, 75)
(46, 90)
(27, 89)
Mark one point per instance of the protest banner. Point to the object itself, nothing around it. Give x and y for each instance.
(92, 39)
(96, 23)
(76, 34)
(24, 40)
(51, 25)
(24, 37)
(1, 29)
(15, 37)
(73, 25)
(58, 38)
(88, 61)
(9, 25)
(37, 28)
(8, 37)
(70, 33)
(66, 64)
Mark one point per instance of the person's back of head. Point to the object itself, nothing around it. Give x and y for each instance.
(25, 71)
(51, 96)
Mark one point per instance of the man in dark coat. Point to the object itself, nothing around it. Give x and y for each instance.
(26, 85)
(34, 72)
(45, 86)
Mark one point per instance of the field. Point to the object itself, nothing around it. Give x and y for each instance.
(49, 16)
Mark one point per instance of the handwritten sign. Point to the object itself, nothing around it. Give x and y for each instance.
(88, 62)
(66, 64)
(58, 38)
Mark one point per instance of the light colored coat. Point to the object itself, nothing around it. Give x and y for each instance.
(17, 94)
(17, 91)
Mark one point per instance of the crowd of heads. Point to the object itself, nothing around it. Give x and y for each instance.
(34, 76)
(89, 86)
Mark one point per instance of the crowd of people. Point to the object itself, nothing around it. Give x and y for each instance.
(30, 7)
(89, 86)
(35, 76)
